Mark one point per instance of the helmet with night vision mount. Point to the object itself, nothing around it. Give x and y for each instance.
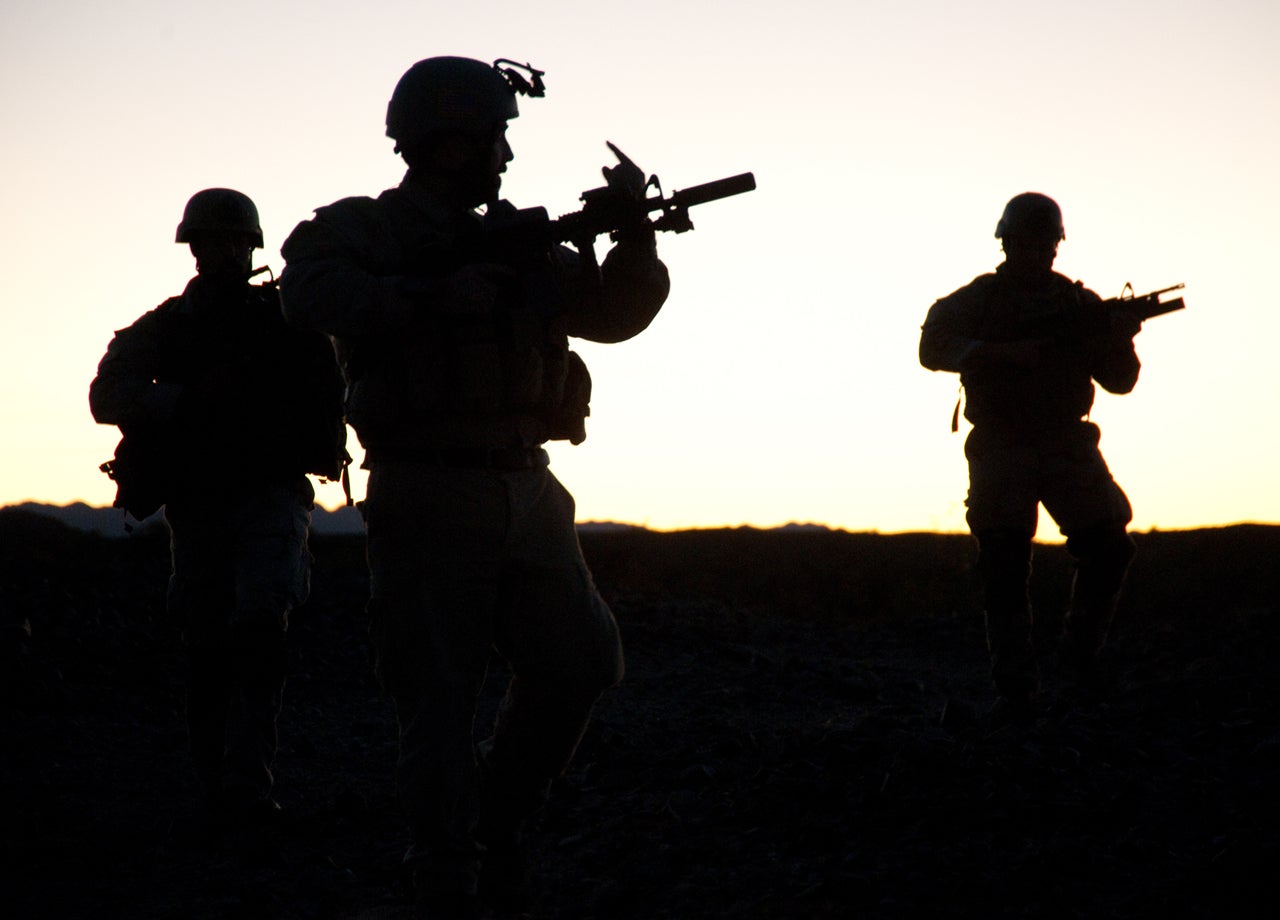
(457, 94)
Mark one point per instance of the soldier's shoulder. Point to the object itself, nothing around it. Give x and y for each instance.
(169, 306)
(982, 282)
(357, 221)
(353, 204)
(161, 315)
(150, 330)
(974, 291)
(355, 212)
(1077, 288)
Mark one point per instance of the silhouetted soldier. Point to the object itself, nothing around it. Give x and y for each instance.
(458, 371)
(1028, 344)
(224, 409)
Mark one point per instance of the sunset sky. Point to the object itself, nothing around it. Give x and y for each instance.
(780, 383)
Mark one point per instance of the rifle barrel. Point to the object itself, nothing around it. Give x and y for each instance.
(1172, 287)
(708, 191)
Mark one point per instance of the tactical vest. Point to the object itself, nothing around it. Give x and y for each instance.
(284, 401)
(508, 362)
(1057, 390)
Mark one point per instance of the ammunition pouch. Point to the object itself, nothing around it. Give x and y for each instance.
(549, 381)
(566, 421)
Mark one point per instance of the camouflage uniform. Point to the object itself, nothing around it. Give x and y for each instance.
(196, 377)
(472, 545)
(1031, 444)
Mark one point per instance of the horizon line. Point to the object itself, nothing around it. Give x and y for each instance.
(793, 525)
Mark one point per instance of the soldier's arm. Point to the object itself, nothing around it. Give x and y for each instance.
(332, 279)
(1115, 363)
(125, 391)
(944, 346)
(629, 290)
(1113, 360)
(950, 341)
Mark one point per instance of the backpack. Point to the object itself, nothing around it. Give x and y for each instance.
(307, 420)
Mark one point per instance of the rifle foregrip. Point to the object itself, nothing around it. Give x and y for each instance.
(1156, 308)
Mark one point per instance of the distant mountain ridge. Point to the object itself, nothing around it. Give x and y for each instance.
(110, 522)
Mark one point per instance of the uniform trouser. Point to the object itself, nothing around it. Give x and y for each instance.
(1009, 477)
(240, 565)
(463, 563)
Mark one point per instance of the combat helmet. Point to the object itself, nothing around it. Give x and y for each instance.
(457, 94)
(1031, 214)
(220, 209)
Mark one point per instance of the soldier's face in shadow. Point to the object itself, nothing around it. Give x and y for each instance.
(223, 254)
(476, 164)
(1030, 254)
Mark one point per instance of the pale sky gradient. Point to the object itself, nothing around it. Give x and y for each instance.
(780, 383)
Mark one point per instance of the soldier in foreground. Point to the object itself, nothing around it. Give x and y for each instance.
(454, 342)
(224, 410)
(1028, 344)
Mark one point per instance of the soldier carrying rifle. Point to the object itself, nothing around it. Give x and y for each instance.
(225, 409)
(453, 331)
(1029, 344)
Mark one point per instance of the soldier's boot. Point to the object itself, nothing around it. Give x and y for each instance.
(536, 734)
(1084, 634)
(259, 659)
(504, 882)
(1102, 560)
(444, 884)
(1004, 562)
(1013, 660)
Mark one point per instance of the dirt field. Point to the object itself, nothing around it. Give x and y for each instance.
(802, 734)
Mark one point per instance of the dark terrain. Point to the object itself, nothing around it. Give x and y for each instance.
(803, 733)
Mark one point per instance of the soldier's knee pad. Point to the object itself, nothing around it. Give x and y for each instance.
(395, 640)
(1004, 564)
(1004, 552)
(1106, 550)
(259, 648)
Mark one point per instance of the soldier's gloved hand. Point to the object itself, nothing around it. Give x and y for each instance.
(626, 178)
(634, 230)
(1125, 323)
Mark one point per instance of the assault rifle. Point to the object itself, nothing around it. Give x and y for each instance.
(1147, 306)
(521, 237)
(607, 210)
(611, 209)
(1097, 318)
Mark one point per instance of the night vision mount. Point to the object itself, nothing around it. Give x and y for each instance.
(519, 83)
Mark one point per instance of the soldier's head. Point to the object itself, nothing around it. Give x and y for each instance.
(448, 117)
(1030, 229)
(221, 227)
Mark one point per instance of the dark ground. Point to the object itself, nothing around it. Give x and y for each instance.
(801, 734)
